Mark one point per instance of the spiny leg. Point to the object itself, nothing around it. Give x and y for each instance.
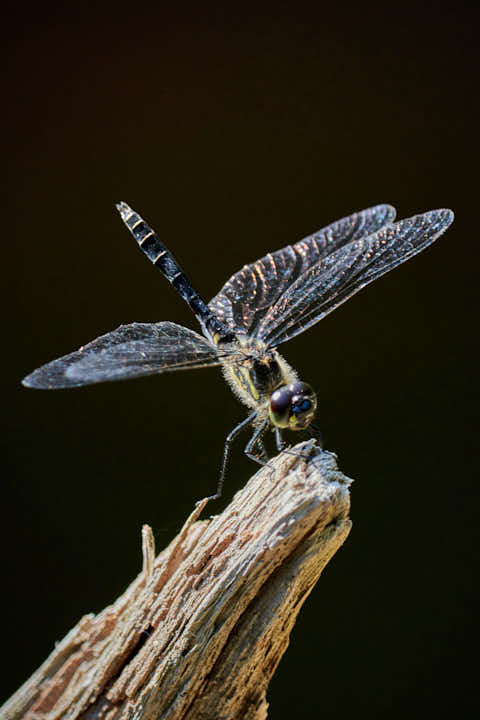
(279, 440)
(281, 443)
(262, 450)
(226, 450)
(316, 435)
(254, 440)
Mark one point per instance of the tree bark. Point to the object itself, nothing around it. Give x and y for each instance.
(201, 630)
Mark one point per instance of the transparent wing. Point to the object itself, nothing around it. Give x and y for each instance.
(129, 351)
(344, 272)
(248, 295)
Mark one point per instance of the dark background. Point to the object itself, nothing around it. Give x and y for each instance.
(236, 132)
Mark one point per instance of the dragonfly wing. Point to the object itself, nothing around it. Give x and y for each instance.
(127, 352)
(344, 272)
(247, 296)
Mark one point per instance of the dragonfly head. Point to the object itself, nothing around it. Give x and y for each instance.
(293, 406)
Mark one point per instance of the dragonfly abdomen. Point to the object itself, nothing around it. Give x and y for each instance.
(162, 258)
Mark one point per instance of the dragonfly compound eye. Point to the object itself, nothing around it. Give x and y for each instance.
(293, 406)
(280, 405)
(303, 406)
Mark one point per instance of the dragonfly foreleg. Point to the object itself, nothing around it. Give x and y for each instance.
(281, 444)
(262, 450)
(279, 440)
(226, 450)
(316, 434)
(256, 439)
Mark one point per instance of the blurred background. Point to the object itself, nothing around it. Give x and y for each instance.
(235, 132)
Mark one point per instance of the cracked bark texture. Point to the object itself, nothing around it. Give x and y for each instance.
(201, 630)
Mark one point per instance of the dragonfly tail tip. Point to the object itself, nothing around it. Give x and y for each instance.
(124, 210)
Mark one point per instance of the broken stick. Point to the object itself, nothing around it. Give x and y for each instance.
(201, 630)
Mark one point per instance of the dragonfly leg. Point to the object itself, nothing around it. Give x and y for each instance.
(226, 450)
(256, 439)
(316, 434)
(281, 445)
(279, 440)
(262, 450)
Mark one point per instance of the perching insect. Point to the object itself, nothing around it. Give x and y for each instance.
(260, 307)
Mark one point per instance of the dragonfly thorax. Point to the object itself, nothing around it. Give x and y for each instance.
(256, 372)
(266, 374)
(293, 406)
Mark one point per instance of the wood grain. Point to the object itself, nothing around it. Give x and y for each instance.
(201, 630)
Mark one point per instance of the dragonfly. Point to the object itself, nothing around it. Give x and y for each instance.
(259, 308)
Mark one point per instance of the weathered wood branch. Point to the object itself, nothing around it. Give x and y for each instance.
(201, 630)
